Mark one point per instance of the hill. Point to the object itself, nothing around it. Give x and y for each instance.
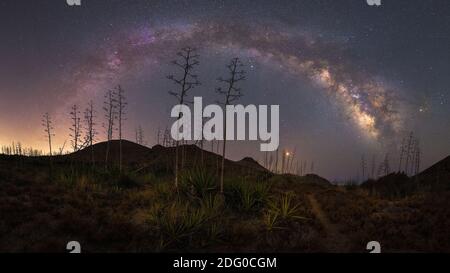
(43, 206)
(434, 179)
(158, 158)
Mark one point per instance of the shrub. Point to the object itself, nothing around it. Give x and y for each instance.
(177, 223)
(285, 208)
(271, 220)
(247, 196)
(198, 182)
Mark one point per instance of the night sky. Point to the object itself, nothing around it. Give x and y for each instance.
(350, 79)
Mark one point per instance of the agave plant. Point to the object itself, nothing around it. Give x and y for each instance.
(248, 196)
(211, 204)
(285, 207)
(271, 221)
(214, 232)
(177, 221)
(198, 182)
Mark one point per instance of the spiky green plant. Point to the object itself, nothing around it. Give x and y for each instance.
(271, 221)
(164, 192)
(214, 232)
(212, 204)
(177, 221)
(247, 196)
(284, 206)
(198, 182)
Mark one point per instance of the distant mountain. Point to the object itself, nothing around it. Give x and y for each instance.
(435, 178)
(251, 163)
(158, 158)
(392, 185)
(133, 153)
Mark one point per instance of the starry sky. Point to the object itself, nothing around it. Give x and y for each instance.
(351, 79)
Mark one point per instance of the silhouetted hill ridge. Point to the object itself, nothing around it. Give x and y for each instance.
(434, 178)
(158, 157)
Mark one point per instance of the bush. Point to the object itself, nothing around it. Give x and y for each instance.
(285, 208)
(198, 182)
(177, 223)
(271, 220)
(247, 196)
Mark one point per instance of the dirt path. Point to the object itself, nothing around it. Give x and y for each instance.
(335, 241)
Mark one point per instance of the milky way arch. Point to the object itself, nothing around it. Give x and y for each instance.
(370, 104)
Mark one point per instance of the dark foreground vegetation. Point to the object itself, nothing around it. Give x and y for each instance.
(46, 203)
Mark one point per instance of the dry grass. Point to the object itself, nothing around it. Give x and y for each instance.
(142, 212)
